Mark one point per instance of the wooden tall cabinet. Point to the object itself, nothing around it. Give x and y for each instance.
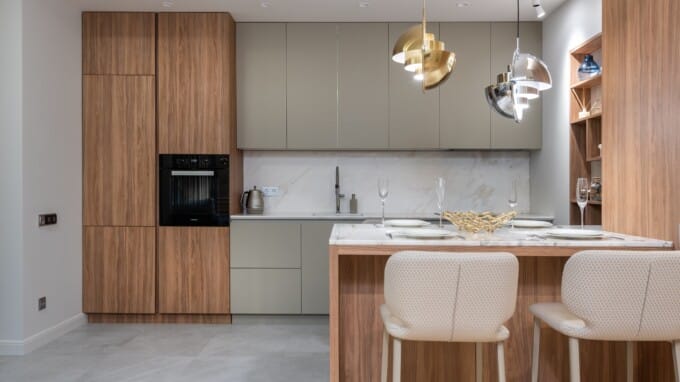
(196, 106)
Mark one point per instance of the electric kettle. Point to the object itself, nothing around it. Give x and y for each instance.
(252, 202)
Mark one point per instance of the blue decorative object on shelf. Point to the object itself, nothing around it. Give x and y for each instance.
(589, 68)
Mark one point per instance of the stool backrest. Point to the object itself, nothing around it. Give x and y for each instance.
(452, 296)
(625, 295)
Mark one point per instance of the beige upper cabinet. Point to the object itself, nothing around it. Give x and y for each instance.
(414, 114)
(505, 133)
(261, 85)
(311, 88)
(363, 59)
(196, 105)
(464, 115)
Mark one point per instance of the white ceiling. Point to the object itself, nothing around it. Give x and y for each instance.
(335, 10)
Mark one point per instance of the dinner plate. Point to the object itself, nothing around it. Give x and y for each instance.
(406, 223)
(567, 233)
(424, 233)
(529, 224)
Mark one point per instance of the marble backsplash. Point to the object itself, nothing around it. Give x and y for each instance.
(476, 180)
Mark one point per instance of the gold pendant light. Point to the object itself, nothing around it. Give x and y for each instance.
(422, 54)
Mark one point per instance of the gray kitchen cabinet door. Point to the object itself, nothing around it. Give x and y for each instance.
(505, 133)
(363, 59)
(464, 115)
(414, 114)
(311, 67)
(315, 237)
(265, 244)
(261, 85)
(265, 291)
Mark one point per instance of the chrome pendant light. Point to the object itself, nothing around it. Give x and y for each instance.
(423, 55)
(528, 70)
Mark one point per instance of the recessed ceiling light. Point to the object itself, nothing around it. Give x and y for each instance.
(265, 4)
(364, 4)
(463, 4)
(167, 4)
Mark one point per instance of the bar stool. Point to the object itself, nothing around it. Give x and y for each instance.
(448, 297)
(615, 296)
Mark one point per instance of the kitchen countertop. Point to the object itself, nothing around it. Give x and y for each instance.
(359, 217)
(372, 235)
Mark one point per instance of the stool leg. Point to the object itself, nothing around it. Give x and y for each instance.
(385, 349)
(676, 359)
(629, 361)
(574, 366)
(478, 362)
(396, 361)
(501, 362)
(535, 350)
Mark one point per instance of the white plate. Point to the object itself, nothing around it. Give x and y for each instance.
(424, 233)
(529, 224)
(406, 223)
(567, 233)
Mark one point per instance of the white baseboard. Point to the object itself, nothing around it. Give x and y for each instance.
(17, 347)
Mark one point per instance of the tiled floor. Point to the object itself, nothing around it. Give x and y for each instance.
(293, 349)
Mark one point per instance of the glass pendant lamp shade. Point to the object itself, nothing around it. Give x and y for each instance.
(526, 92)
(499, 96)
(530, 71)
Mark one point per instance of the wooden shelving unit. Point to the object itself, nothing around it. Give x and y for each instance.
(585, 160)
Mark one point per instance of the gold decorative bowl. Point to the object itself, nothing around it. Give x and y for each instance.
(476, 222)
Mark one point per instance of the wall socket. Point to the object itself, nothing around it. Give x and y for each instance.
(42, 303)
(271, 191)
(47, 219)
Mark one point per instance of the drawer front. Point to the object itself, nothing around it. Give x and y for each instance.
(265, 291)
(258, 244)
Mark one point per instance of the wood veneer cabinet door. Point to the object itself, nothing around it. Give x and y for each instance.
(505, 133)
(196, 81)
(119, 164)
(119, 43)
(119, 269)
(193, 270)
(464, 115)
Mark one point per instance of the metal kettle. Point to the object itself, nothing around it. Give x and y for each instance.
(252, 201)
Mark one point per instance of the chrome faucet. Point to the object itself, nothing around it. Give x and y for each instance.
(338, 195)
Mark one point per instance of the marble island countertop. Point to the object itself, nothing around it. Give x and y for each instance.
(329, 215)
(374, 235)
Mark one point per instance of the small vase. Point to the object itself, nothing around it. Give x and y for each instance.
(588, 68)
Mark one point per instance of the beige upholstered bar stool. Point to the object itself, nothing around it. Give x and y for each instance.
(615, 296)
(448, 297)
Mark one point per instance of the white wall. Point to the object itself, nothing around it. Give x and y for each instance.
(477, 180)
(571, 24)
(10, 182)
(51, 162)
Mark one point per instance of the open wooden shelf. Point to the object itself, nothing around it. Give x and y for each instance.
(585, 133)
(588, 83)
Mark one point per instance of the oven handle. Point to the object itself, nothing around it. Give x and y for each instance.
(191, 173)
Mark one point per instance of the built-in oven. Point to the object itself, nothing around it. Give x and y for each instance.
(194, 190)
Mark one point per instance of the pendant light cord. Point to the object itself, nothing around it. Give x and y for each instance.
(517, 37)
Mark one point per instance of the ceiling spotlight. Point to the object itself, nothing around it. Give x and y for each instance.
(540, 12)
(463, 4)
(265, 4)
(167, 4)
(363, 4)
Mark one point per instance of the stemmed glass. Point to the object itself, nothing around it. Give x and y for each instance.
(512, 200)
(383, 191)
(582, 190)
(440, 189)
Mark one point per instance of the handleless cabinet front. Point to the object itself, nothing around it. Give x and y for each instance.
(261, 85)
(505, 133)
(414, 114)
(311, 67)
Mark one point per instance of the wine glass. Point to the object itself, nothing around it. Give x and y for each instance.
(383, 191)
(440, 189)
(582, 190)
(512, 200)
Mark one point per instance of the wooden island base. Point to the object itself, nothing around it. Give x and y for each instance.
(356, 293)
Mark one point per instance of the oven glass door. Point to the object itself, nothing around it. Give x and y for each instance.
(192, 197)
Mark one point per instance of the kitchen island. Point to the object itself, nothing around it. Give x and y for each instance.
(358, 254)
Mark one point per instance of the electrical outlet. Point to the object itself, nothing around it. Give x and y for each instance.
(271, 191)
(42, 303)
(47, 219)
